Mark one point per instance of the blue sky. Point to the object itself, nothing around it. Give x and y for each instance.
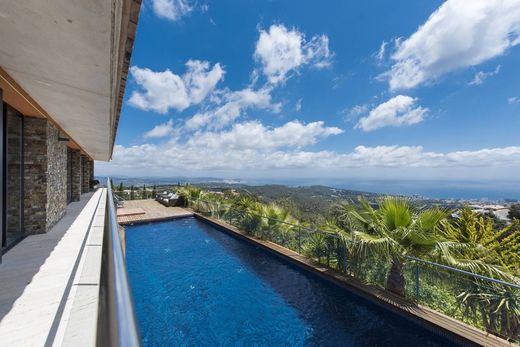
(379, 89)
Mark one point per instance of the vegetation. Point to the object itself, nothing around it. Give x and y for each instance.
(514, 211)
(376, 239)
(394, 231)
(378, 242)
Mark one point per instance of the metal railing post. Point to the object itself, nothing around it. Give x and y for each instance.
(345, 256)
(416, 279)
(299, 239)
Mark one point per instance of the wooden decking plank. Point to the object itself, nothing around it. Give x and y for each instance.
(151, 211)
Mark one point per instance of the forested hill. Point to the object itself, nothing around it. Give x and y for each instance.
(306, 202)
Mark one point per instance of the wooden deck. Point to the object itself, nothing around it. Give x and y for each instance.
(153, 211)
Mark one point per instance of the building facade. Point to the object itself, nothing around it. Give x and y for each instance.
(63, 70)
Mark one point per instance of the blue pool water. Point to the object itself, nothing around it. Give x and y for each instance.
(194, 285)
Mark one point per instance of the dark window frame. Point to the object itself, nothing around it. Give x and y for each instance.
(4, 176)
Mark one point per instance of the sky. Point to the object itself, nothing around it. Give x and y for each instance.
(336, 89)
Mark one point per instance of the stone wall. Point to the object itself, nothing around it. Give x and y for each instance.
(45, 176)
(69, 175)
(75, 157)
(91, 169)
(85, 174)
(35, 175)
(56, 176)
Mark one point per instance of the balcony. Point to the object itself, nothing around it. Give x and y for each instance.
(68, 287)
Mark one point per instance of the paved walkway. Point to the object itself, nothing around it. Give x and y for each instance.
(38, 279)
(153, 210)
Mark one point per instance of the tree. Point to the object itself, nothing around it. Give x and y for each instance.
(154, 192)
(144, 195)
(132, 193)
(396, 230)
(514, 211)
(493, 252)
(189, 194)
(121, 188)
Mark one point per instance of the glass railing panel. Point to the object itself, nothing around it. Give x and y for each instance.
(491, 306)
(482, 302)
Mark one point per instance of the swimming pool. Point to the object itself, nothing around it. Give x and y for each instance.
(194, 285)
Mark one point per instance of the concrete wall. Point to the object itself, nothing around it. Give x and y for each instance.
(45, 181)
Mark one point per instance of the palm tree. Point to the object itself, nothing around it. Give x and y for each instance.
(316, 246)
(491, 252)
(189, 194)
(396, 230)
(246, 213)
(277, 222)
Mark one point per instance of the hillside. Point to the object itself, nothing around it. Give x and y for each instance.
(306, 203)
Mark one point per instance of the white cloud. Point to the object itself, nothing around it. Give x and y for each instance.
(234, 103)
(161, 130)
(358, 110)
(459, 34)
(172, 9)
(246, 144)
(382, 50)
(165, 90)
(481, 76)
(199, 80)
(298, 105)
(513, 100)
(226, 154)
(255, 136)
(351, 115)
(280, 51)
(398, 111)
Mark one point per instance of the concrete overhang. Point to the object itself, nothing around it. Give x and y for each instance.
(67, 60)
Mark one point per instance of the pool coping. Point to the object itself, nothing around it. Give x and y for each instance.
(156, 219)
(432, 320)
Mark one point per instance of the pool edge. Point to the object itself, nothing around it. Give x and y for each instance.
(155, 219)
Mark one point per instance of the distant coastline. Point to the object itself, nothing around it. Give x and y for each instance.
(433, 189)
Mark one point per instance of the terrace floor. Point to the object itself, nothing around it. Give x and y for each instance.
(148, 210)
(49, 283)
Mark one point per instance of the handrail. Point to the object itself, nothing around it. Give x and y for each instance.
(467, 273)
(117, 326)
(445, 267)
